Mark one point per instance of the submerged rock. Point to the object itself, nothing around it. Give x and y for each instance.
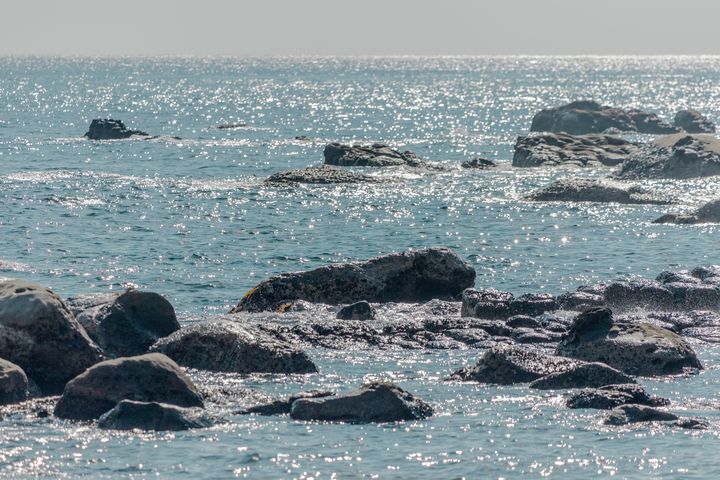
(376, 155)
(13, 383)
(283, 406)
(320, 175)
(231, 126)
(583, 375)
(625, 414)
(479, 163)
(588, 190)
(693, 121)
(372, 403)
(708, 213)
(231, 347)
(109, 129)
(152, 377)
(361, 310)
(413, 276)
(40, 334)
(675, 156)
(556, 149)
(131, 415)
(611, 396)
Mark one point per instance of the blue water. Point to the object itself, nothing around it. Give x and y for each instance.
(192, 220)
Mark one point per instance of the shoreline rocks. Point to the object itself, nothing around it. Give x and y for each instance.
(322, 175)
(109, 129)
(561, 149)
(708, 213)
(375, 155)
(600, 191)
(678, 156)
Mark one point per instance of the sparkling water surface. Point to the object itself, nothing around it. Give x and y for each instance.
(191, 218)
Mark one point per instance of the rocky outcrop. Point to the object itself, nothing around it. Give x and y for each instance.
(131, 415)
(633, 348)
(479, 164)
(372, 403)
(40, 334)
(125, 324)
(231, 347)
(585, 116)
(109, 129)
(611, 396)
(559, 149)
(361, 310)
(675, 156)
(495, 304)
(13, 383)
(693, 121)
(583, 375)
(284, 405)
(601, 191)
(708, 213)
(152, 377)
(626, 414)
(413, 276)
(322, 175)
(376, 155)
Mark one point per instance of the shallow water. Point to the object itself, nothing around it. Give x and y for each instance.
(191, 219)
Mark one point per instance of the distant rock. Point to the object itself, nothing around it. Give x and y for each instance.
(322, 175)
(131, 415)
(376, 155)
(611, 396)
(626, 414)
(693, 121)
(586, 116)
(675, 156)
(413, 276)
(109, 129)
(479, 164)
(560, 149)
(708, 213)
(13, 383)
(372, 403)
(231, 126)
(583, 375)
(361, 310)
(601, 191)
(283, 406)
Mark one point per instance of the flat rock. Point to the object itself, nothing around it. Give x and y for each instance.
(109, 129)
(630, 413)
(611, 396)
(560, 149)
(13, 383)
(322, 175)
(131, 415)
(579, 301)
(693, 121)
(493, 304)
(675, 156)
(375, 155)
(583, 375)
(361, 310)
(636, 293)
(708, 213)
(284, 405)
(601, 191)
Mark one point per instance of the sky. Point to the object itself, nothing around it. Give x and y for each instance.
(361, 27)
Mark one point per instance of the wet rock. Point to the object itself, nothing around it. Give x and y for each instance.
(692, 423)
(414, 276)
(579, 301)
(152, 377)
(361, 310)
(708, 213)
(40, 334)
(638, 293)
(684, 276)
(125, 324)
(479, 163)
(230, 126)
(601, 191)
(109, 129)
(585, 116)
(675, 156)
(533, 304)
(284, 405)
(493, 304)
(693, 121)
(551, 150)
(322, 175)
(131, 415)
(523, 321)
(706, 272)
(376, 155)
(691, 296)
(13, 383)
(611, 396)
(626, 414)
(583, 375)
(231, 347)
(372, 403)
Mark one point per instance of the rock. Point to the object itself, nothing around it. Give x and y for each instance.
(109, 129)
(523, 321)
(125, 324)
(630, 413)
(493, 304)
(692, 423)
(708, 213)
(510, 364)
(40, 334)
(601, 191)
(13, 383)
(131, 415)
(283, 406)
(579, 301)
(638, 293)
(231, 347)
(635, 349)
(533, 304)
(376, 155)
(361, 310)
(479, 163)
(584, 116)
(372, 403)
(413, 276)
(693, 121)
(322, 175)
(152, 377)
(556, 149)
(692, 296)
(675, 156)
(231, 126)
(706, 272)
(684, 276)
(611, 396)
(583, 375)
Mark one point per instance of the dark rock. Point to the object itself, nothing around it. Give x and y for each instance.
(40, 334)
(374, 402)
(693, 121)
(376, 155)
(601, 191)
(231, 347)
(708, 213)
(523, 321)
(109, 129)
(494, 304)
(13, 383)
(675, 156)
(130, 415)
(125, 324)
(638, 293)
(361, 310)
(321, 175)
(579, 301)
(413, 276)
(284, 405)
(533, 304)
(231, 126)
(706, 272)
(691, 296)
(479, 163)
(152, 377)
(676, 277)
(611, 396)
(556, 149)
(692, 423)
(630, 413)
(583, 375)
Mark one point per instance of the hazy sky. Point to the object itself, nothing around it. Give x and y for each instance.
(360, 27)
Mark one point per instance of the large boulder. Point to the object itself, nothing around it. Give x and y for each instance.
(40, 334)
(372, 403)
(375, 155)
(586, 116)
(321, 175)
(413, 276)
(131, 415)
(675, 156)
(708, 213)
(601, 191)
(125, 324)
(152, 377)
(583, 375)
(693, 121)
(556, 149)
(493, 304)
(611, 396)
(231, 347)
(109, 129)
(13, 383)
(633, 348)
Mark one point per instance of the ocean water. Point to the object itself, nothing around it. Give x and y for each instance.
(191, 219)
